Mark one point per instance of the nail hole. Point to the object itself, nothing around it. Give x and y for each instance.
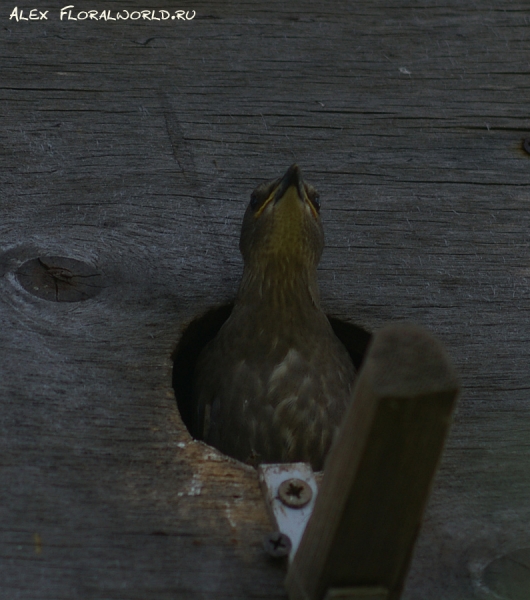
(204, 328)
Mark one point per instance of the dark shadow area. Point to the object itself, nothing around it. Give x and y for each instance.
(196, 335)
(204, 328)
(354, 338)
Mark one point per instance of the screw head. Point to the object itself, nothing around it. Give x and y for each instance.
(295, 493)
(277, 544)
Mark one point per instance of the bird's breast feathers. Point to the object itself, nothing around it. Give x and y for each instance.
(284, 407)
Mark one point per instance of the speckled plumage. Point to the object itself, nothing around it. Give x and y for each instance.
(273, 384)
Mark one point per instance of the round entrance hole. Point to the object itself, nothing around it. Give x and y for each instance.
(204, 328)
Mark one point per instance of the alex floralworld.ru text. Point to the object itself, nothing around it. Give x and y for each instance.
(68, 14)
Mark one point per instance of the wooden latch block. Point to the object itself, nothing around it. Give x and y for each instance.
(361, 533)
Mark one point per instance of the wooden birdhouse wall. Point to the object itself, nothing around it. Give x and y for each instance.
(132, 146)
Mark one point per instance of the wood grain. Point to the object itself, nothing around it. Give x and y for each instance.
(138, 157)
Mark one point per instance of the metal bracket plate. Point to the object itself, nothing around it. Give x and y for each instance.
(290, 491)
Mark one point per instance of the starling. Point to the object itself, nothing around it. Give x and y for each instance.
(273, 385)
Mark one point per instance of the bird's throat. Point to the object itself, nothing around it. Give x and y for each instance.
(280, 286)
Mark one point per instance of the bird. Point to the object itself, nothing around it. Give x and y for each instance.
(273, 384)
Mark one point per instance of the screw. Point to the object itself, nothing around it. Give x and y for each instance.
(277, 544)
(526, 145)
(295, 493)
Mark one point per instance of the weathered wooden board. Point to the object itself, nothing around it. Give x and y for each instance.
(133, 146)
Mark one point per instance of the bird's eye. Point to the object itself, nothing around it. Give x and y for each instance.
(254, 201)
(315, 200)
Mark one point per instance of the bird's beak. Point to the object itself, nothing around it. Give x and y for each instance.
(291, 179)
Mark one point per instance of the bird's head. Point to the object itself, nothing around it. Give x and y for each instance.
(282, 224)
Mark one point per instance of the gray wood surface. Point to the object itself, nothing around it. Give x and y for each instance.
(133, 147)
